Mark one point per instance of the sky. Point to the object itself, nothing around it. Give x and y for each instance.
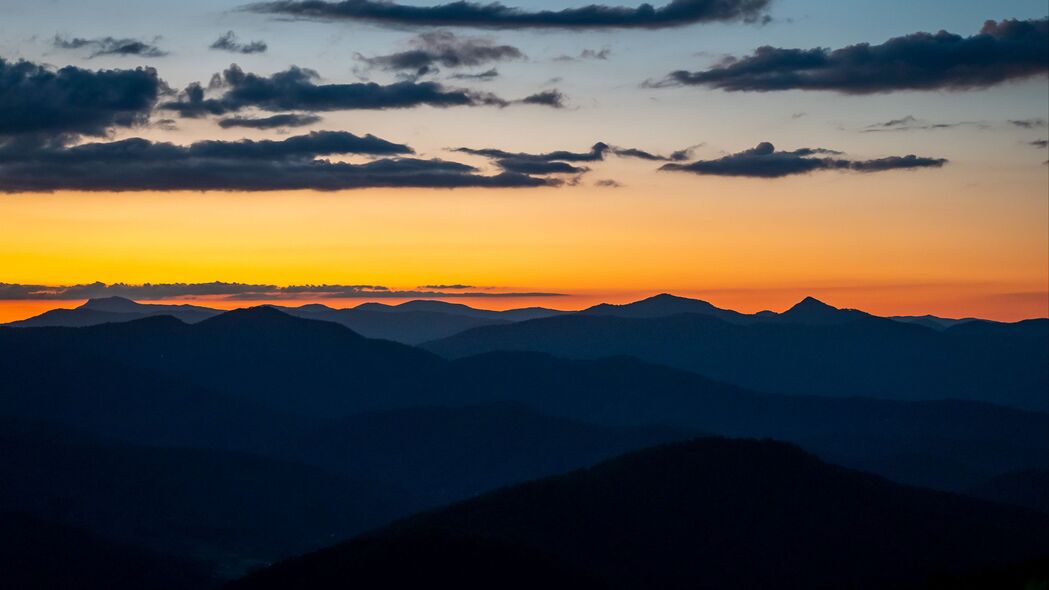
(906, 176)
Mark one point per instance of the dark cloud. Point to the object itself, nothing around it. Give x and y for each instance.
(764, 161)
(110, 46)
(443, 48)
(562, 162)
(290, 164)
(237, 291)
(494, 15)
(1028, 123)
(228, 41)
(484, 76)
(296, 89)
(911, 123)
(274, 122)
(43, 102)
(1040, 143)
(1001, 52)
(548, 98)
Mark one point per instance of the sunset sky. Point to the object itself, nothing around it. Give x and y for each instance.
(908, 178)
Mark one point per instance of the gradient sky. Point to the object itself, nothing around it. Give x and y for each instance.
(969, 238)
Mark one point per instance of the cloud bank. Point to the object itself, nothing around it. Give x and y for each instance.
(47, 103)
(238, 291)
(296, 89)
(763, 161)
(1001, 52)
(289, 164)
(495, 15)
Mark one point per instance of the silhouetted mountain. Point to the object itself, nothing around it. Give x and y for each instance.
(712, 513)
(113, 309)
(255, 380)
(813, 312)
(663, 305)
(233, 509)
(446, 453)
(931, 321)
(944, 444)
(258, 354)
(1028, 488)
(811, 349)
(1026, 575)
(458, 309)
(40, 555)
(404, 326)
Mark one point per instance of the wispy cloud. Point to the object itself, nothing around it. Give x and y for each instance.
(110, 46)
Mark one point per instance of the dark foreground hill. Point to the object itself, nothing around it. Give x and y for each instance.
(1029, 488)
(217, 507)
(41, 555)
(712, 513)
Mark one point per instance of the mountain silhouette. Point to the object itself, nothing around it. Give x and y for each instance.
(40, 555)
(442, 454)
(255, 380)
(712, 513)
(810, 349)
(1029, 488)
(814, 312)
(234, 509)
(404, 326)
(113, 309)
(663, 305)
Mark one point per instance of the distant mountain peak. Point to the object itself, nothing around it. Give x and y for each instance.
(663, 304)
(813, 311)
(114, 303)
(810, 303)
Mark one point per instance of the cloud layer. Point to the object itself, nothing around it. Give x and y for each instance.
(1003, 51)
(290, 164)
(763, 161)
(238, 291)
(494, 15)
(296, 89)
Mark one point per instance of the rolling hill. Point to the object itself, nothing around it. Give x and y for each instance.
(687, 515)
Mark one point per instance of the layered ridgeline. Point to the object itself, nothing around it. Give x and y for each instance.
(711, 513)
(810, 349)
(412, 322)
(257, 379)
(253, 435)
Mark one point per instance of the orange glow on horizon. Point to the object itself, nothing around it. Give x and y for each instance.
(941, 300)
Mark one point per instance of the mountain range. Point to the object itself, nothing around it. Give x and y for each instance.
(711, 513)
(240, 439)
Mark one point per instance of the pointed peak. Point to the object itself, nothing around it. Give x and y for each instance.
(810, 303)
